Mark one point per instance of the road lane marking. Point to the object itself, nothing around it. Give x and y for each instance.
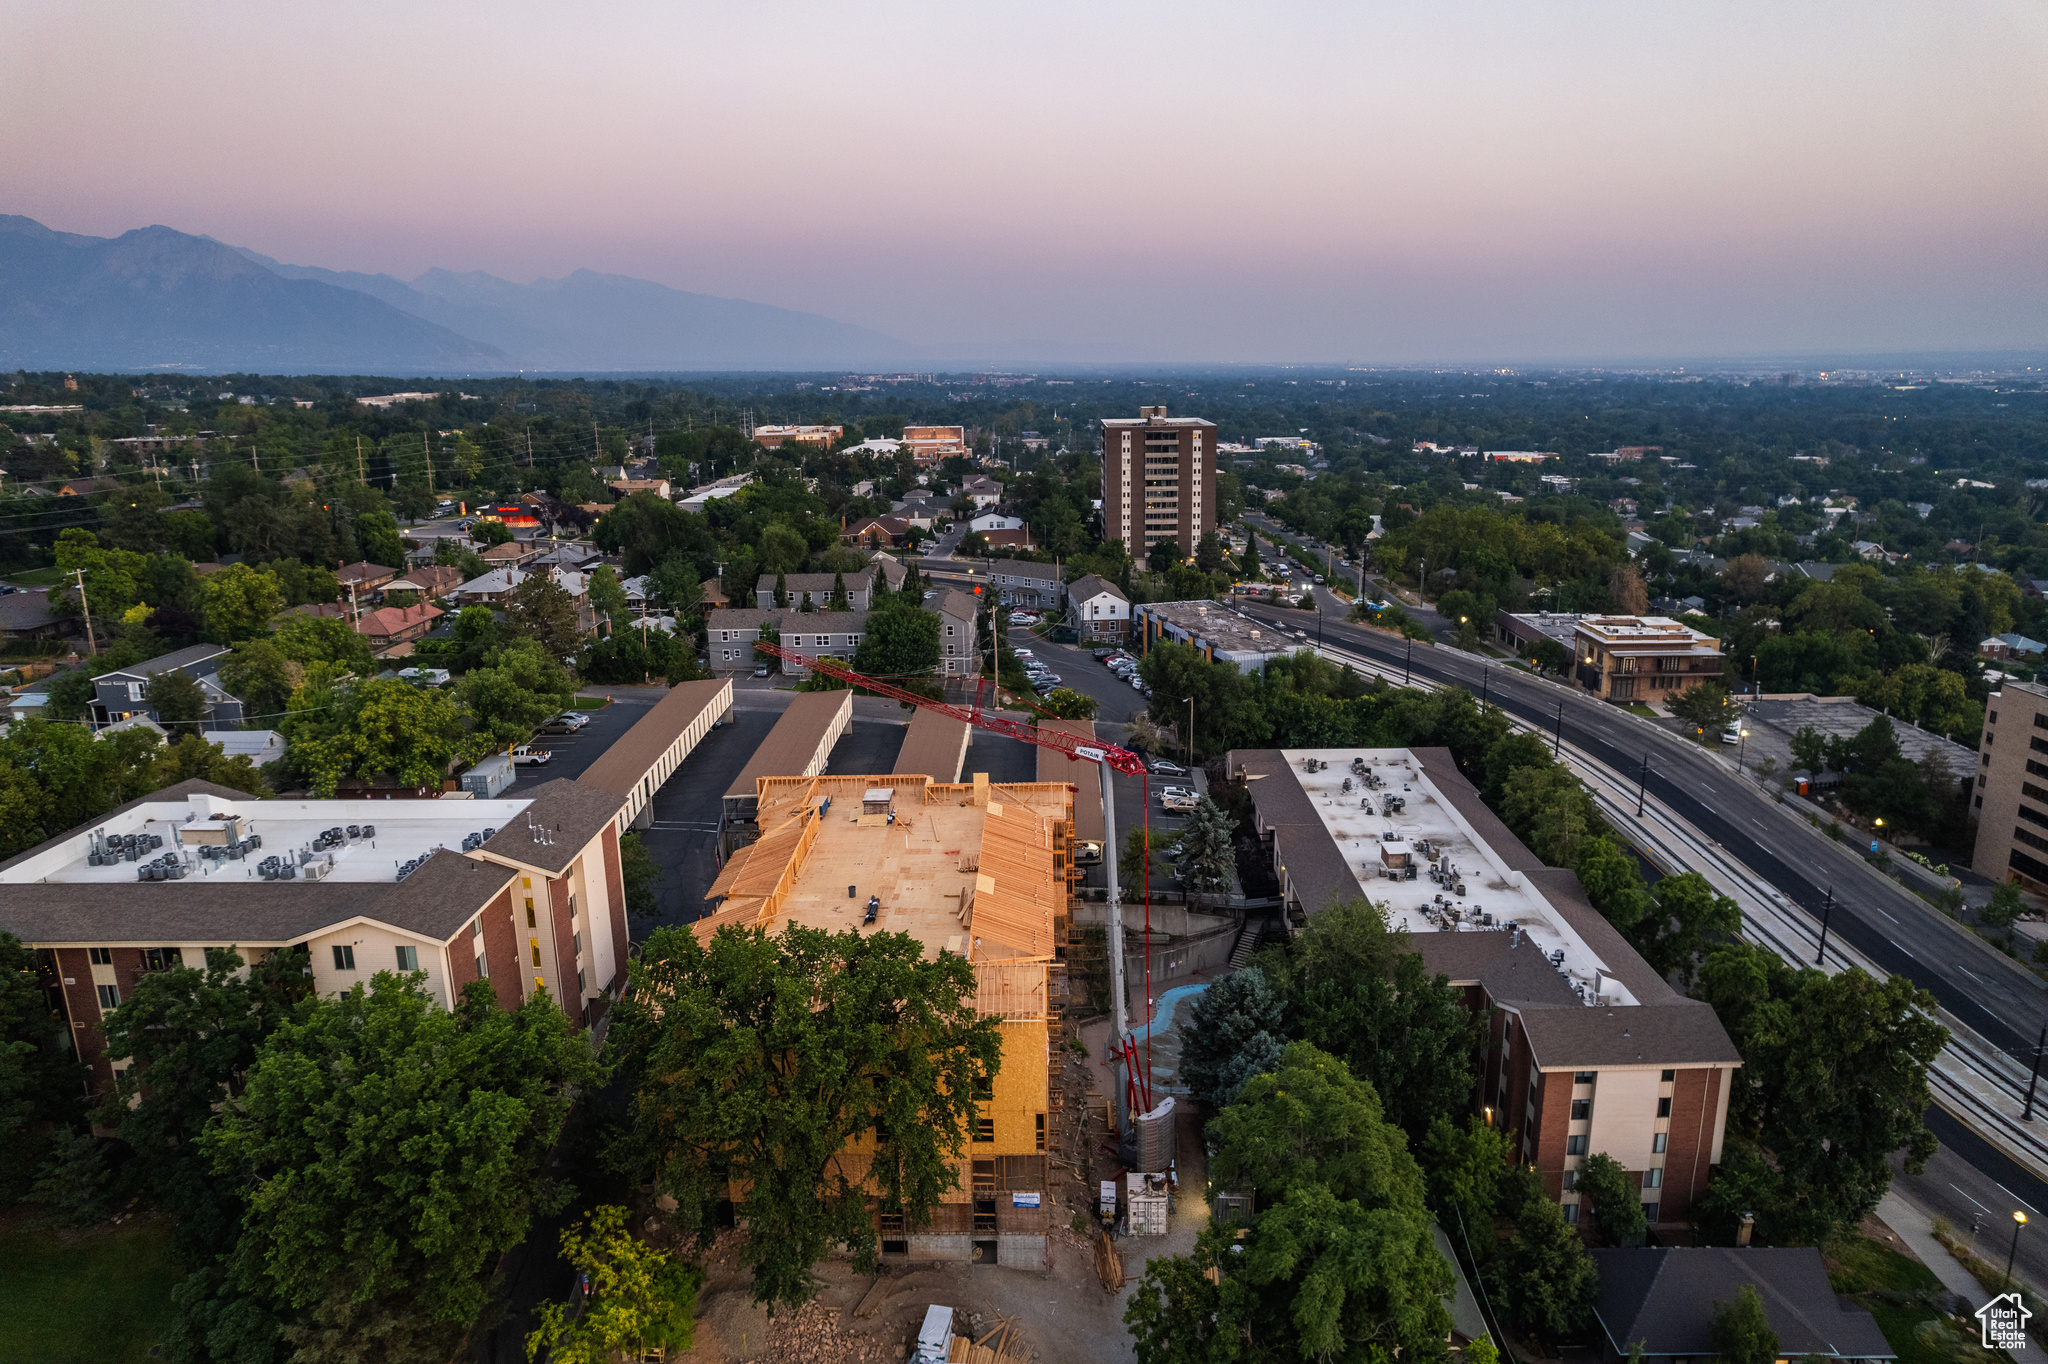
(1959, 1190)
(2016, 1198)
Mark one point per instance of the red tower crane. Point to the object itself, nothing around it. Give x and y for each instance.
(1137, 1079)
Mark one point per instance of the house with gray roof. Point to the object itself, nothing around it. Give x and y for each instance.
(1663, 1299)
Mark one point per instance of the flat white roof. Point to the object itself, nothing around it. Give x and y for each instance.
(405, 830)
(1431, 903)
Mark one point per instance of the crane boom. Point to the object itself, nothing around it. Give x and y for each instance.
(1088, 750)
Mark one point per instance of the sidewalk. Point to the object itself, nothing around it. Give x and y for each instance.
(1916, 1229)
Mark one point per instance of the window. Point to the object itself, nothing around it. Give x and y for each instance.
(1668, 1076)
(1582, 1109)
(1657, 1141)
(1664, 1107)
(110, 997)
(1650, 1212)
(1041, 1131)
(162, 959)
(1571, 1181)
(483, 968)
(529, 913)
(534, 943)
(100, 956)
(576, 944)
(579, 980)
(1584, 1077)
(1653, 1178)
(476, 927)
(408, 959)
(344, 958)
(1575, 1146)
(1571, 1214)
(984, 1129)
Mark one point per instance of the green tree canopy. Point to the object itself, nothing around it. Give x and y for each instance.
(390, 1151)
(392, 729)
(763, 1057)
(542, 610)
(40, 1082)
(1741, 1329)
(640, 1298)
(177, 698)
(517, 690)
(900, 641)
(1234, 1032)
(239, 602)
(1617, 1206)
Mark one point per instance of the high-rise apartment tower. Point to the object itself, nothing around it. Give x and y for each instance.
(1158, 480)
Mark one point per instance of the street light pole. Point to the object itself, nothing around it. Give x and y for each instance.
(1643, 787)
(1557, 741)
(2035, 1077)
(1407, 660)
(1740, 749)
(1826, 911)
(2019, 1219)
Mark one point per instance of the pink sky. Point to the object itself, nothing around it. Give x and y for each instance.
(1345, 182)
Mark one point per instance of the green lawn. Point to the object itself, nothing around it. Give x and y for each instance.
(1889, 1286)
(37, 577)
(99, 1298)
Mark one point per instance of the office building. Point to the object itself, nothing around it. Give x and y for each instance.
(975, 869)
(774, 437)
(1158, 480)
(2011, 797)
(930, 444)
(1212, 630)
(1634, 658)
(1591, 1052)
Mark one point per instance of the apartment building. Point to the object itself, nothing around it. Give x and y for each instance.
(533, 901)
(959, 633)
(818, 587)
(1634, 658)
(2011, 800)
(976, 869)
(1592, 1052)
(1158, 480)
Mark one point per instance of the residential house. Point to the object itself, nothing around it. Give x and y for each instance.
(878, 532)
(1101, 611)
(120, 694)
(429, 580)
(511, 554)
(983, 491)
(626, 487)
(2005, 647)
(28, 616)
(1024, 583)
(364, 577)
(1009, 540)
(819, 587)
(391, 630)
(496, 588)
(959, 637)
(1661, 1300)
(994, 520)
(731, 636)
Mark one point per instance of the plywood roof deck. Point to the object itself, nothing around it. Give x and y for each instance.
(943, 850)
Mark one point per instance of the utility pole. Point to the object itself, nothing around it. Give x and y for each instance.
(1408, 659)
(427, 453)
(362, 475)
(91, 646)
(1557, 741)
(1827, 911)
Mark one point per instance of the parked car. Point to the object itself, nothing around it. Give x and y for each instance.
(1160, 767)
(1088, 854)
(526, 755)
(1023, 653)
(760, 670)
(1173, 790)
(568, 722)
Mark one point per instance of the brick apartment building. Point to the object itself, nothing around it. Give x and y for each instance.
(1591, 1051)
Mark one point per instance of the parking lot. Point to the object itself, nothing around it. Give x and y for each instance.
(572, 753)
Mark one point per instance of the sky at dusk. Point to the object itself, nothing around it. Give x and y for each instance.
(1345, 182)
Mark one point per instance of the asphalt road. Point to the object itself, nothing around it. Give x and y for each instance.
(1892, 927)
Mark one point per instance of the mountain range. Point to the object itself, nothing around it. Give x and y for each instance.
(159, 299)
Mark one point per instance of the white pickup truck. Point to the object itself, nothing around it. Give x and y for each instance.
(526, 755)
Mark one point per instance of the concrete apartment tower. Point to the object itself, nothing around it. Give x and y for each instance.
(1158, 480)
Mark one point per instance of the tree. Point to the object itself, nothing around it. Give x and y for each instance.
(2005, 906)
(639, 1298)
(177, 698)
(1834, 1080)
(542, 610)
(764, 1057)
(1706, 706)
(1248, 562)
(1463, 1170)
(262, 677)
(1310, 1121)
(1066, 703)
(490, 532)
(1687, 915)
(1209, 556)
(1741, 1329)
(1234, 1033)
(781, 589)
(391, 729)
(900, 641)
(1131, 868)
(188, 1037)
(39, 1083)
(1547, 1279)
(1208, 851)
(325, 639)
(1617, 1207)
(239, 601)
(1549, 656)
(606, 595)
(1162, 555)
(641, 875)
(390, 1151)
(519, 687)
(1810, 749)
